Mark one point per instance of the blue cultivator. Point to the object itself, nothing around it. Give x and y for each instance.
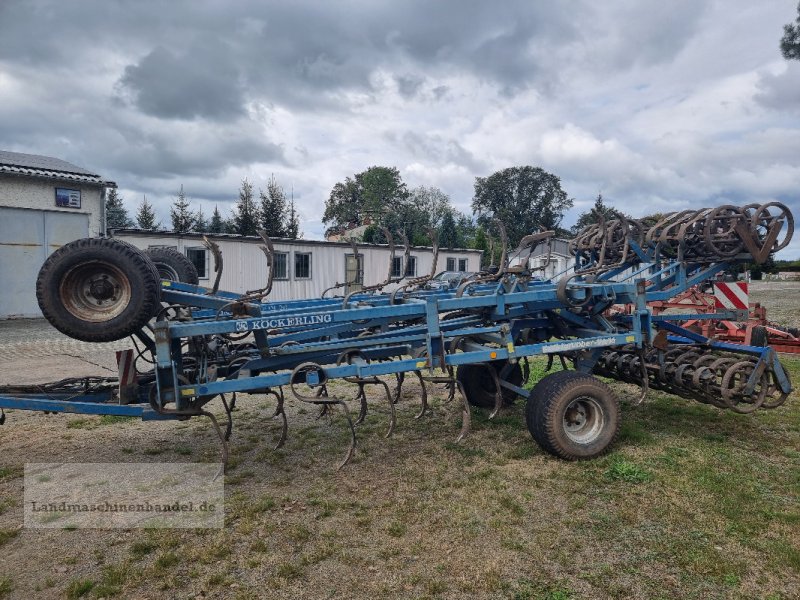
(197, 344)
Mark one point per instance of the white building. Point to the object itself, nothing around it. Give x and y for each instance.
(303, 268)
(44, 203)
(550, 262)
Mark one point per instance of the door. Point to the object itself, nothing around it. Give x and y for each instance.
(27, 237)
(353, 272)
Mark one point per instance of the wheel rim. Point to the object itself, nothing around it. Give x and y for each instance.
(584, 420)
(95, 291)
(167, 272)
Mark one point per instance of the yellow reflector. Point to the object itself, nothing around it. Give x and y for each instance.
(493, 355)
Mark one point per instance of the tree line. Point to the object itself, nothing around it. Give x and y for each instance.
(271, 210)
(524, 198)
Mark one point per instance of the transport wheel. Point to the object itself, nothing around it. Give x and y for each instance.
(98, 289)
(572, 415)
(173, 265)
(479, 384)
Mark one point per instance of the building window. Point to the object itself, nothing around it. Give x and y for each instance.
(411, 267)
(451, 264)
(302, 265)
(199, 258)
(462, 264)
(280, 265)
(397, 267)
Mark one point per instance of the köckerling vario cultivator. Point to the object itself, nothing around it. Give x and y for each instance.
(197, 344)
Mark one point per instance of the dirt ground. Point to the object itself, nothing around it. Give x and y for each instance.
(692, 502)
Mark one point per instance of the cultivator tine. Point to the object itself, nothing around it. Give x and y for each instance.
(305, 370)
(423, 396)
(392, 415)
(228, 410)
(279, 411)
(362, 399)
(217, 254)
(223, 441)
(466, 417)
(400, 377)
(498, 391)
(269, 253)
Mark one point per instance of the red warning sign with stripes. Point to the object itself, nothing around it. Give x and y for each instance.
(731, 296)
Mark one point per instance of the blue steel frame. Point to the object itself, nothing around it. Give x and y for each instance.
(502, 320)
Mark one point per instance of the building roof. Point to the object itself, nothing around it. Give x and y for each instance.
(17, 163)
(251, 238)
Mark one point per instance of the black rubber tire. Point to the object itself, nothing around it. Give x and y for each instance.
(479, 384)
(173, 265)
(545, 415)
(759, 337)
(64, 296)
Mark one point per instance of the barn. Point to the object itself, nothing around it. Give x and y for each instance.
(303, 268)
(45, 202)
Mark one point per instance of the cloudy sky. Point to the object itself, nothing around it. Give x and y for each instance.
(656, 105)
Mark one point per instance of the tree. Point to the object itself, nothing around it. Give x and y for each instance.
(790, 42)
(217, 225)
(522, 198)
(272, 213)
(116, 215)
(293, 222)
(146, 217)
(591, 216)
(180, 213)
(448, 233)
(245, 215)
(200, 221)
(376, 192)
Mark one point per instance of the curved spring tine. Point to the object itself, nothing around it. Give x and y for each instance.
(217, 254)
(423, 395)
(222, 440)
(498, 391)
(280, 412)
(451, 385)
(392, 415)
(228, 409)
(351, 450)
(390, 241)
(401, 377)
(362, 398)
(504, 241)
(466, 417)
(435, 241)
(549, 364)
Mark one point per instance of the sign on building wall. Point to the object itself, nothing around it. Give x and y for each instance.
(68, 198)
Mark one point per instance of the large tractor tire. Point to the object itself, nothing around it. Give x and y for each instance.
(479, 384)
(98, 289)
(173, 265)
(573, 416)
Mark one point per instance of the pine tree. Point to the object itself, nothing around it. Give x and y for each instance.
(145, 217)
(116, 215)
(293, 222)
(217, 225)
(273, 209)
(245, 214)
(448, 233)
(200, 221)
(180, 212)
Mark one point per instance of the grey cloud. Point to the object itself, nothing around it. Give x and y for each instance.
(201, 82)
(782, 91)
(435, 149)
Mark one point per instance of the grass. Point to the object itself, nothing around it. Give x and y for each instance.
(691, 502)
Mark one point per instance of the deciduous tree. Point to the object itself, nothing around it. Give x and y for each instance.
(523, 198)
